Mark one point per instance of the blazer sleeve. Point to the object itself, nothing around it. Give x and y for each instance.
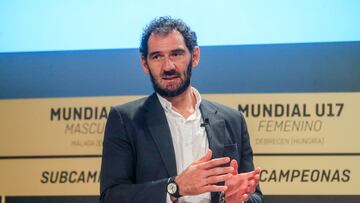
(246, 162)
(117, 182)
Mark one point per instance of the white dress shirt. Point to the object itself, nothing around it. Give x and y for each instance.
(189, 140)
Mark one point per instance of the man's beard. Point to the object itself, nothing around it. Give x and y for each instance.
(179, 90)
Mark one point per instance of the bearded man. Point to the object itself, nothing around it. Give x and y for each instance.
(174, 146)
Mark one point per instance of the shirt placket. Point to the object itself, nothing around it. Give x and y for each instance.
(187, 145)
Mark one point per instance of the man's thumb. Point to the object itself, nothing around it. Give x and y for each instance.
(235, 165)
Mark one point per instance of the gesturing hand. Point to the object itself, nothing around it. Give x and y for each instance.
(202, 175)
(241, 185)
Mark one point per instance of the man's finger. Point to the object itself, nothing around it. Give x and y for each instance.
(252, 174)
(251, 187)
(244, 197)
(214, 163)
(219, 170)
(206, 157)
(238, 189)
(213, 188)
(217, 179)
(257, 178)
(235, 165)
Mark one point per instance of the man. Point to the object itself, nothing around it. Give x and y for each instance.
(173, 146)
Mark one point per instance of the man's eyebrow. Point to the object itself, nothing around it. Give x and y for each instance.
(178, 50)
(172, 51)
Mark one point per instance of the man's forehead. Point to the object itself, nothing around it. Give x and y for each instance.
(170, 40)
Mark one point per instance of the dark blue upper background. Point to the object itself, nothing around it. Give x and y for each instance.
(276, 68)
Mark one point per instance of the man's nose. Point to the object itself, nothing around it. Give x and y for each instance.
(168, 64)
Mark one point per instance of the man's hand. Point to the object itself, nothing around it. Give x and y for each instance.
(240, 186)
(202, 175)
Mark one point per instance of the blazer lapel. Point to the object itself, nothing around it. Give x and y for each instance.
(160, 131)
(215, 128)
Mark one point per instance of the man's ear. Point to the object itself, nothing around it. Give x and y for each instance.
(144, 64)
(196, 56)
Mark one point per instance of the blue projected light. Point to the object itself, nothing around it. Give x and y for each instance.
(43, 25)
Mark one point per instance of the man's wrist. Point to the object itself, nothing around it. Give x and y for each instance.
(173, 188)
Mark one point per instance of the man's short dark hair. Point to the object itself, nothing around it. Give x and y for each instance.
(163, 26)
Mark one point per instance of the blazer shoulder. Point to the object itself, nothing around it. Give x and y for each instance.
(220, 108)
(223, 111)
(132, 108)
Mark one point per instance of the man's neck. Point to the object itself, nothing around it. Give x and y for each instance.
(184, 103)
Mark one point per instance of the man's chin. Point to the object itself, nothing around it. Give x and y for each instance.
(169, 92)
(171, 85)
(171, 89)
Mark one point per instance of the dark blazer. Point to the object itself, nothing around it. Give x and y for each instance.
(138, 154)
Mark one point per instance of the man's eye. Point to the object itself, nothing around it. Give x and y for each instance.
(177, 54)
(155, 57)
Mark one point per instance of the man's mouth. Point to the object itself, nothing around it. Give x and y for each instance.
(172, 77)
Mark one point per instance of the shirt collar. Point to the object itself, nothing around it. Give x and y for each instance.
(167, 106)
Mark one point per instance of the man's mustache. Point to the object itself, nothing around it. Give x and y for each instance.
(170, 73)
